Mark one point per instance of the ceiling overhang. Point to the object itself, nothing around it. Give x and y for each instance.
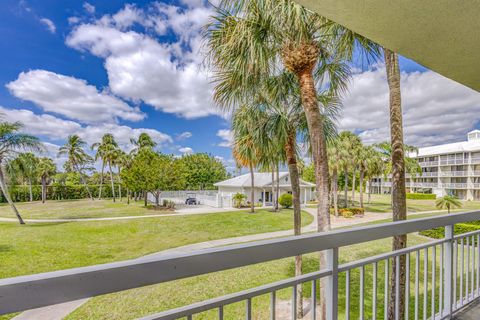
(442, 35)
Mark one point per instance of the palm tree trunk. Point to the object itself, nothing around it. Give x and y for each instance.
(44, 186)
(252, 190)
(369, 190)
(111, 180)
(273, 186)
(335, 191)
(399, 205)
(101, 181)
(320, 161)
(361, 187)
(345, 190)
(30, 189)
(354, 177)
(290, 152)
(6, 194)
(82, 180)
(277, 193)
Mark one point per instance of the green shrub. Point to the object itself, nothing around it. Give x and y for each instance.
(439, 233)
(286, 200)
(59, 192)
(421, 196)
(238, 199)
(348, 212)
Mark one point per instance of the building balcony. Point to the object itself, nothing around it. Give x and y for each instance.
(440, 273)
(428, 164)
(455, 185)
(449, 162)
(454, 173)
(475, 160)
(476, 185)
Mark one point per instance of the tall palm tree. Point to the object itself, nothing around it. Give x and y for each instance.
(246, 145)
(24, 166)
(78, 159)
(111, 153)
(335, 165)
(107, 141)
(143, 141)
(45, 169)
(349, 145)
(11, 142)
(123, 160)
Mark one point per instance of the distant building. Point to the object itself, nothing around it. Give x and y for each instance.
(452, 169)
(263, 187)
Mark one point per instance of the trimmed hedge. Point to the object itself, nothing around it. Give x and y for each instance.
(439, 233)
(421, 196)
(286, 200)
(60, 192)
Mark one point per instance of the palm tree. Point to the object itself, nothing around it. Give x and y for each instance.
(246, 146)
(45, 169)
(77, 158)
(448, 202)
(123, 160)
(11, 141)
(143, 141)
(24, 165)
(102, 147)
(374, 168)
(335, 165)
(349, 145)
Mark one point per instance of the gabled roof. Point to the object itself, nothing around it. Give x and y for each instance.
(260, 179)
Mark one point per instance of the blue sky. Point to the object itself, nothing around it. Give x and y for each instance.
(74, 67)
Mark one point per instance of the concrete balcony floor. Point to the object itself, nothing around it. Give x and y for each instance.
(471, 312)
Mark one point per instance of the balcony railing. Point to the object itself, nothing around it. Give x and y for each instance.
(455, 185)
(475, 160)
(453, 161)
(447, 286)
(454, 173)
(428, 163)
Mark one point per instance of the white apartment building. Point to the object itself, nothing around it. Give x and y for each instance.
(452, 168)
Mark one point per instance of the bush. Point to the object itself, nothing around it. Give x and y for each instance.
(348, 212)
(421, 196)
(169, 204)
(59, 192)
(439, 233)
(286, 200)
(238, 199)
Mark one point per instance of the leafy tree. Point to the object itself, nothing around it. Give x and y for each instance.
(238, 199)
(78, 159)
(154, 173)
(448, 202)
(46, 168)
(11, 142)
(286, 200)
(24, 166)
(309, 173)
(202, 171)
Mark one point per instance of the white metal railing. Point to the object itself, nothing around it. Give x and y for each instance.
(455, 185)
(453, 161)
(423, 184)
(476, 185)
(439, 288)
(475, 173)
(454, 173)
(474, 160)
(428, 163)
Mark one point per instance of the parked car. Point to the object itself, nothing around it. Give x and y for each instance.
(192, 201)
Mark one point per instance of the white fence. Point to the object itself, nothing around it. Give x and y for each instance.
(206, 197)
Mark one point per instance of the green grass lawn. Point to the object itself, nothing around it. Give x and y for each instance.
(382, 203)
(71, 209)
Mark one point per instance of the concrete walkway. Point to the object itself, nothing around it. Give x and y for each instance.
(59, 311)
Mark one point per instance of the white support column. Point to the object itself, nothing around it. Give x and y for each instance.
(263, 197)
(304, 196)
(332, 285)
(448, 271)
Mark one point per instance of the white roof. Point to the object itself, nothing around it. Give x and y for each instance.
(260, 179)
(473, 144)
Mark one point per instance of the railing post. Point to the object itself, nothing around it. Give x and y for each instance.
(332, 285)
(448, 271)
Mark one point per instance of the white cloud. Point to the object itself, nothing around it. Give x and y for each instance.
(226, 136)
(184, 135)
(49, 24)
(71, 97)
(89, 7)
(57, 129)
(186, 150)
(436, 110)
(168, 76)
